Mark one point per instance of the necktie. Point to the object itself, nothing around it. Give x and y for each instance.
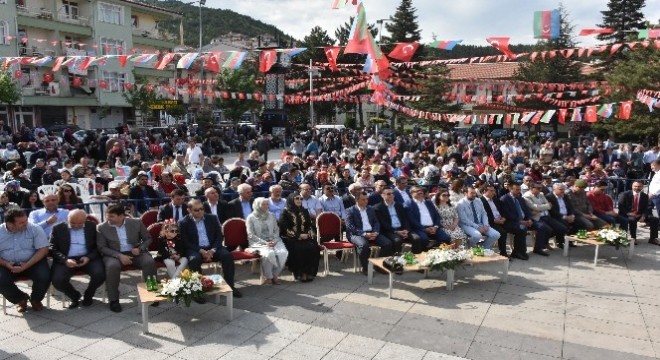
(636, 203)
(176, 213)
(521, 214)
(474, 212)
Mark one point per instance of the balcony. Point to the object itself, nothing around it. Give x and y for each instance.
(35, 51)
(73, 19)
(44, 18)
(153, 37)
(40, 13)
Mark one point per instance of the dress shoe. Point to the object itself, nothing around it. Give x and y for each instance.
(540, 252)
(36, 305)
(200, 299)
(520, 256)
(75, 302)
(338, 254)
(87, 301)
(237, 294)
(21, 306)
(115, 306)
(504, 254)
(654, 242)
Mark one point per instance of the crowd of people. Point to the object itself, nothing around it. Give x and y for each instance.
(424, 191)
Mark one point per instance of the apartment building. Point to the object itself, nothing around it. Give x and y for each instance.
(93, 28)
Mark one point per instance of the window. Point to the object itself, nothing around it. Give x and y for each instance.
(112, 46)
(71, 9)
(72, 43)
(4, 31)
(114, 80)
(134, 21)
(111, 14)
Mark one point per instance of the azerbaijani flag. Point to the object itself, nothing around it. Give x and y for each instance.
(445, 45)
(605, 111)
(186, 60)
(235, 60)
(546, 24)
(362, 42)
(42, 62)
(293, 52)
(338, 4)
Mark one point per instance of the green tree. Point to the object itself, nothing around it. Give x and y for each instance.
(624, 16)
(639, 70)
(139, 96)
(10, 94)
(242, 80)
(314, 42)
(435, 84)
(403, 25)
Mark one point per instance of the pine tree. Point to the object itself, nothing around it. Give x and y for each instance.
(622, 16)
(403, 25)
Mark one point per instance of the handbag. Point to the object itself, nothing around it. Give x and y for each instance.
(392, 264)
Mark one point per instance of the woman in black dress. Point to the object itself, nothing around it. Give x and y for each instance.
(296, 231)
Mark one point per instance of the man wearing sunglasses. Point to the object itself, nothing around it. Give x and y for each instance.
(203, 243)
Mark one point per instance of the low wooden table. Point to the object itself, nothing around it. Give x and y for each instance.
(147, 298)
(596, 243)
(451, 273)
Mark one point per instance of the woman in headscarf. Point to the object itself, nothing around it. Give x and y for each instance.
(264, 237)
(296, 231)
(14, 193)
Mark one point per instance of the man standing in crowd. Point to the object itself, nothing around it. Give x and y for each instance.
(23, 250)
(73, 246)
(654, 187)
(123, 242)
(635, 205)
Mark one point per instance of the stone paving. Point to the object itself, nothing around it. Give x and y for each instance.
(550, 308)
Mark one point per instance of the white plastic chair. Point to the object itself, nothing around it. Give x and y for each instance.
(85, 182)
(193, 187)
(44, 190)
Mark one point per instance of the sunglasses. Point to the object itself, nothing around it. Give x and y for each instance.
(297, 198)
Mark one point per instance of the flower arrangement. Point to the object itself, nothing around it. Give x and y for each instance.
(445, 258)
(186, 287)
(615, 237)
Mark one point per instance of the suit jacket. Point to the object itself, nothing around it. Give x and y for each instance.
(626, 203)
(60, 241)
(489, 211)
(136, 193)
(414, 215)
(466, 217)
(385, 220)
(235, 208)
(107, 239)
(374, 199)
(554, 211)
(188, 227)
(398, 197)
(348, 200)
(221, 209)
(167, 212)
(354, 221)
(510, 212)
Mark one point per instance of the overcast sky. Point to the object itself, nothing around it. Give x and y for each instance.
(469, 20)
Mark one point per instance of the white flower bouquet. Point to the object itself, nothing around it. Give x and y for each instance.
(614, 237)
(184, 288)
(445, 258)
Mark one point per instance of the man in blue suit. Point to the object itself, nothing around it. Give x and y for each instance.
(401, 194)
(363, 227)
(424, 219)
(518, 220)
(203, 243)
(473, 219)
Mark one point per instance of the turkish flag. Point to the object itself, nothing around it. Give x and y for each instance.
(211, 63)
(77, 82)
(590, 114)
(103, 84)
(167, 58)
(625, 110)
(122, 60)
(478, 166)
(562, 115)
(404, 51)
(491, 161)
(501, 44)
(332, 52)
(266, 60)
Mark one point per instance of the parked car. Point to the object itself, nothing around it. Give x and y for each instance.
(478, 129)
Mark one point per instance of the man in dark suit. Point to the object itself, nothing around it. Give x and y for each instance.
(203, 243)
(123, 241)
(425, 220)
(394, 223)
(361, 232)
(376, 197)
(493, 209)
(562, 211)
(176, 209)
(401, 194)
(635, 204)
(214, 205)
(518, 220)
(73, 247)
(241, 207)
(142, 191)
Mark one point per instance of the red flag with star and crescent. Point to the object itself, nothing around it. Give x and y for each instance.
(404, 51)
(502, 44)
(211, 63)
(625, 110)
(266, 60)
(332, 52)
(590, 114)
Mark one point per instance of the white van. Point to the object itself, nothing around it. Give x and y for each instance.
(329, 127)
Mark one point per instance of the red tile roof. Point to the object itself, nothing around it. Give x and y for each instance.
(505, 70)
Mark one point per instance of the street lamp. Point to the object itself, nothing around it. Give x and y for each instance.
(201, 72)
(312, 73)
(380, 29)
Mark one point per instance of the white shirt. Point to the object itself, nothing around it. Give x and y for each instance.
(194, 154)
(493, 208)
(214, 208)
(366, 225)
(424, 216)
(654, 187)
